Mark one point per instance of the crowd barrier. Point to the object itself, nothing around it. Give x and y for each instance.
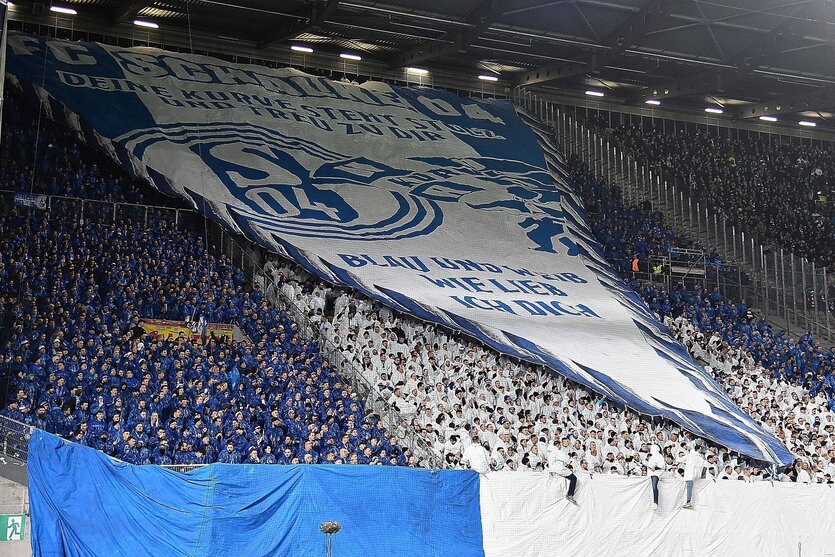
(14, 438)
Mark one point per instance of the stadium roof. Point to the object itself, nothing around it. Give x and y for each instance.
(748, 56)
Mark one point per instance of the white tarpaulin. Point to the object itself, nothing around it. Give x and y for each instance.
(526, 515)
(451, 209)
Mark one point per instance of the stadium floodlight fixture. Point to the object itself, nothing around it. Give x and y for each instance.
(300, 48)
(488, 78)
(148, 24)
(768, 118)
(348, 56)
(594, 93)
(807, 123)
(654, 102)
(417, 71)
(714, 110)
(62, 10)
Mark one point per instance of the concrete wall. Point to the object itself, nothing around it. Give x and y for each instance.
(14, 499)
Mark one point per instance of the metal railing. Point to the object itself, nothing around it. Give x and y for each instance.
(183, 468)
(791, 292)
(106, 212)
(14, 438)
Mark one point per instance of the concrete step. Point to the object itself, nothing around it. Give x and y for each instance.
(14, 470)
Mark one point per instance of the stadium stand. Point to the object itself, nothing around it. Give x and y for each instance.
(40, 156)
(456, 391)
(779, 192)
(80, 364)
(785, 383)
(419, 279)
(453, 391)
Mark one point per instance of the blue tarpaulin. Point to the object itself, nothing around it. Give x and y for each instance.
(83, 503)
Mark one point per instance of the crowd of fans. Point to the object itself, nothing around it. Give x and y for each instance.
(48, 159)
(787, 384)
(456, 393)
(780, 192)
(77, 362)
(624, 230)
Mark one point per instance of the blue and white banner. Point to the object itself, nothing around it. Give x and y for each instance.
(451, 209)
(30, 201)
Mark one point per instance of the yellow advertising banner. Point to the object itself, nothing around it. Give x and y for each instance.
(161, 328)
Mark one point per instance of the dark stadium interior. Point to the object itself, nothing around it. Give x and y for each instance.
(751, 56)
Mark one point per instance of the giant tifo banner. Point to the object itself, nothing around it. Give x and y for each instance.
(452, 209)
(84, 504)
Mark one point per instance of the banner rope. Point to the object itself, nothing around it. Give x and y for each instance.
(41, 102)
(206, 253)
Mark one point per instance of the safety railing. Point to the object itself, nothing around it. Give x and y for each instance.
(182, 468)
(789, 291)
(14, 438)
(106, 212)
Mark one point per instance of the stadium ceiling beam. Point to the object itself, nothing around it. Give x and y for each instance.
(130, 10)
(821, 16)
(315, 18)
(651, 16)
(820, 99)
(452, 42)
(744, 63)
